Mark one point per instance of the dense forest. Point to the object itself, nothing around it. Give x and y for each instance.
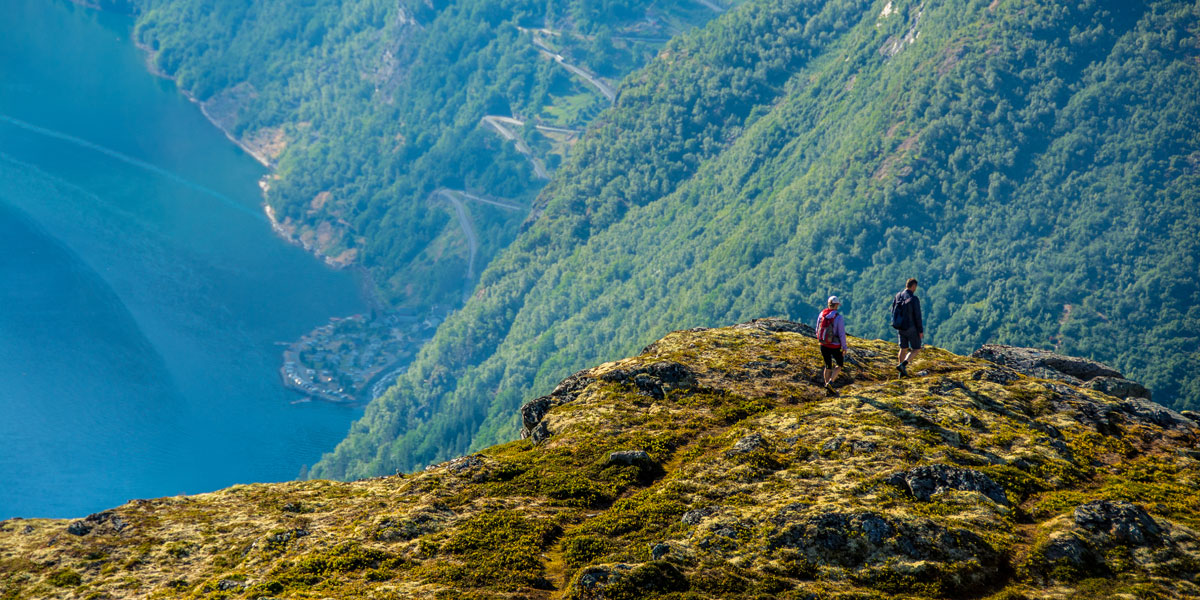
(1035, 163)
(366, 107)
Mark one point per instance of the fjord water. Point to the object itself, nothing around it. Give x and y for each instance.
(142, 292)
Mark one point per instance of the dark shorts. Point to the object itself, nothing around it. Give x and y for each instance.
(830, 355)
(909, 338)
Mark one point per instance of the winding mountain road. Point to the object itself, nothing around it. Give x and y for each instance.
(595, 82)
(498, 123)
(455, 198)
(460, 211)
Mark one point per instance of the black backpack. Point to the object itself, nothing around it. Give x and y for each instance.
(900, 310)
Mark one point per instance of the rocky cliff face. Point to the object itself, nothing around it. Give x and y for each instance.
(712, 465)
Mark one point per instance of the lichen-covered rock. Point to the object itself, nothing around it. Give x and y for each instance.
(620, 581)
(1045, 364)
(748, 444)
(1064, 557)
(881, 548)
(778, 325)
(1124, 522)
(101, 522)
(696, 515)
(629, 457)
(924, 482)
(1118, 387)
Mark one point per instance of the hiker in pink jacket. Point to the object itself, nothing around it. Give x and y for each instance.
(831, 333)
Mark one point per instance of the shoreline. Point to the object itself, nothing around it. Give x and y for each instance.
(374, 303)
(367, 289)
(154, 70)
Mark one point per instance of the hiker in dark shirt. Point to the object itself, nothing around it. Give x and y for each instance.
(906, 319)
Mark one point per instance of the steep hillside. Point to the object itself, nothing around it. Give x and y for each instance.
(1035, 163)
(709, 466)
(367, 107)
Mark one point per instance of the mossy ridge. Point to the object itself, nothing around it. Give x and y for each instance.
(744, 453)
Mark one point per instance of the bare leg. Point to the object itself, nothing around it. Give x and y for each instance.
(912, 355)
(904, 353)
(836, 370)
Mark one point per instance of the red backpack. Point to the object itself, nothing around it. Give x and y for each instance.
(826, 332)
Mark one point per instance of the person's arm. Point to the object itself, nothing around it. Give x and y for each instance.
(842, 331)
(917, 315)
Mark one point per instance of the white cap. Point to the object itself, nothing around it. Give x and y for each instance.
(834, 300)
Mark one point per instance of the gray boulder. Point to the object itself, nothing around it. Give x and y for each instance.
(777, 325)
(1155, 413)
(1125, 523)
(601, 582)
(1045, 364)
(748, 444)
(1118, 387)
(924, 482)
(628, 457)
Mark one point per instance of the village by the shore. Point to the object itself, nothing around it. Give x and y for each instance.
(352, 359)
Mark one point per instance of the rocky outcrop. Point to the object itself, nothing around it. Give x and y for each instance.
(1104, 538)
(924, 482)
(605, 582)
(101, 522)
(652, 381)
(778, 325)
(1071, 369)
(879, 548)
(533, 411)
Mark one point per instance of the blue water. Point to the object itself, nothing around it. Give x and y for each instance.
(142, 291)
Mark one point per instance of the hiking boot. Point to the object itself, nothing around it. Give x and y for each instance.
(829, 391)
(902, 368)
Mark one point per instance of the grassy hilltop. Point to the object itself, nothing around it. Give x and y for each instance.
(711, 465)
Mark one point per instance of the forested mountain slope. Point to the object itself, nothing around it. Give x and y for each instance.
(367, 107)
(1036, 164)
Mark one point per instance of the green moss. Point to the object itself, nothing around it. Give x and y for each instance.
(574, 489)
(1018, 484)
(644, 515)
(313, 569)
(720, 581)
(64, 578)
(583, 550)
(1049, 505)
(736, 411)
(501, 548)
